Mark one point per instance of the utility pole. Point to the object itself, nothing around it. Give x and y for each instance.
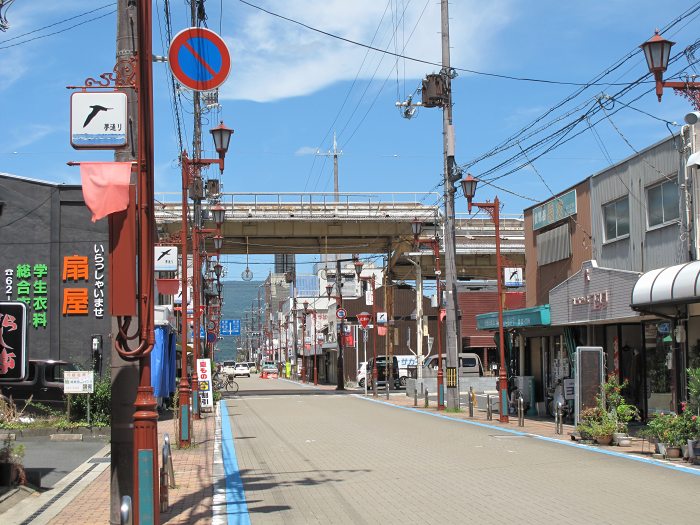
(451, 328)
(124, 374)
(335, 154)
(341, 332)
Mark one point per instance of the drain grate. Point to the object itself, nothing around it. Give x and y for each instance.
(100, 460)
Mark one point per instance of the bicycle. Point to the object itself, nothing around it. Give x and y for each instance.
(225, 382)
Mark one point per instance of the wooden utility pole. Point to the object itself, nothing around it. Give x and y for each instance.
(452, 338)
(124, 374)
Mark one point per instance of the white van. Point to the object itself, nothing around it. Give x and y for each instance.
(469, 364)
(404, 362)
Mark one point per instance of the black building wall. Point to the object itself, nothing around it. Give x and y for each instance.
(43, 223)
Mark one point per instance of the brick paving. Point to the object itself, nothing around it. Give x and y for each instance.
(309, 457)
(190, 502)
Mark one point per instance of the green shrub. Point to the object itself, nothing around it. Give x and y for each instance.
(100, 404)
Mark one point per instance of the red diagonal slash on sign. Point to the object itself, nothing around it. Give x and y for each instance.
(201, 60)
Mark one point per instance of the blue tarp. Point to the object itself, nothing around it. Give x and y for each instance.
(163, 362)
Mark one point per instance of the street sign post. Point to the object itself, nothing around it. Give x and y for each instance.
(229, 327)
(381, 317)
(165, 259)
(199, 59)
(364, 318)
(341, 313)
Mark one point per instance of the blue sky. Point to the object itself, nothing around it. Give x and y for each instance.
(288, 85)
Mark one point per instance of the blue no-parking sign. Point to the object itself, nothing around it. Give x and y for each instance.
(199, 59)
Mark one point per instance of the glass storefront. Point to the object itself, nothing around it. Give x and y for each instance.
(658, 345)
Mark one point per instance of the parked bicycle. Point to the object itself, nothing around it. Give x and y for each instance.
(225, 382)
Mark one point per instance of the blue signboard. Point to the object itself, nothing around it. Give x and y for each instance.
(554, 210)
(229, 327)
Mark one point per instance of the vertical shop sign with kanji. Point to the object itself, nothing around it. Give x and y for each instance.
(98, 292)
(206, 398)
(13, 341)
(75, 300)
(31, 289)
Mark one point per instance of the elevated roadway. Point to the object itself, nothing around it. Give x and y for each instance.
(364, 223)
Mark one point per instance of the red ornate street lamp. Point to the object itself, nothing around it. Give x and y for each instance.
(191, 169)
(657, 51)
(469, 184)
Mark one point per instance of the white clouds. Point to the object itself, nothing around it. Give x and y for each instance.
(27, 135)
(305, 150)
(274, 59)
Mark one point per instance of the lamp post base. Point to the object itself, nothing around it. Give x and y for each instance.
(503, 389)
(185, 427)
(146, 472)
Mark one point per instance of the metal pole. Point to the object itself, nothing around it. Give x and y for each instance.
(438, 291)
(489, 410)
(184, 387)
(502, 376)
(315, 347)
(364, 338)
(374, 338)
(521, 412)
(125, 514)
(196, 273)
(339, 284)
(471, 402)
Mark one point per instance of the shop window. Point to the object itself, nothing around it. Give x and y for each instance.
(616, 219)
(662, 203)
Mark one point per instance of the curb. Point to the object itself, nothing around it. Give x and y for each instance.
(40, 510)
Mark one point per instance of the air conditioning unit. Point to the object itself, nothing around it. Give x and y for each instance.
(526, 385)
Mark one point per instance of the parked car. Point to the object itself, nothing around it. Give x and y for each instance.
(44, 384)
(362, 374)
(241, 369)
(469, 364)
(228, 367)
(382, 369)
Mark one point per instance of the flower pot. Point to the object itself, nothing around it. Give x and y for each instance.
(661, 448)
(617, 436)
(684, 451)
(604, 440)
(693, 448)
(673, 452)
(624, 442)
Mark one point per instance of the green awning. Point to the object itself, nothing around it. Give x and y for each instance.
(520, 318)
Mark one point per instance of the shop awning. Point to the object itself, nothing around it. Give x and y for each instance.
(665, 291)
(519, 318)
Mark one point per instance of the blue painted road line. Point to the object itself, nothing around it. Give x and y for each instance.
(236, 508)
(647, 461)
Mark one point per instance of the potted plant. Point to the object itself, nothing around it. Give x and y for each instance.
(597, 424)
(691, 411)
(11, 470)
(616, 404)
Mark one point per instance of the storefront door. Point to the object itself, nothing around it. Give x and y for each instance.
(658, 345)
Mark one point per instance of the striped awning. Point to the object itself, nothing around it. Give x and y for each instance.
(664, 290)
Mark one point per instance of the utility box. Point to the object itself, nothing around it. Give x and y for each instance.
(434, 91)
(212, 188)
(526, 385)
(197, 189)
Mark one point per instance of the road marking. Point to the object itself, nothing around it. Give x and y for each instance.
(236, 507)
(647, 461)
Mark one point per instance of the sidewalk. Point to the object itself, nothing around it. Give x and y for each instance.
(640, 448)
(87, 502)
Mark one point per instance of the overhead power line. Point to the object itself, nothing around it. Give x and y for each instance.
(38, 37)
(414, 59)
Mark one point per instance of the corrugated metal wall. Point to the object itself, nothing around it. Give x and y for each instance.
(553, 245)
(643, 250)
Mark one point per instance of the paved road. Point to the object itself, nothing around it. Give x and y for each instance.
(307, 458)
(54, 459)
